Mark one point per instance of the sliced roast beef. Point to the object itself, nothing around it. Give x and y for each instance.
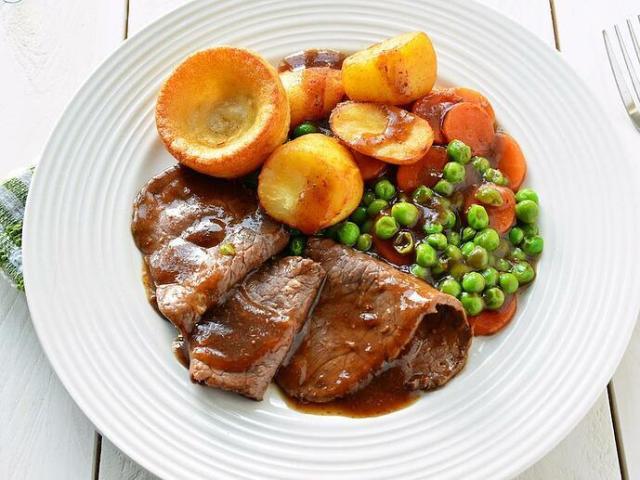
(369, 317)
(240, 344)
(199, 236)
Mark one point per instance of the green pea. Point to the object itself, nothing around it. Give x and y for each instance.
(368, 197)
(364, 242)
(477, 217)
(527, 211)
(487, 238)
(493, 298)
(437, 241)
(502, 265)
(533, 245)
(376, 207)
(503, 249)
(449, 219)
(296, 245)
(472, 303)
(517, 254)
(468, 233)
(453, 172)
(467, 248)
(508, 282)
(480, 164)
(489, 196)
(332, 231)
(450, 286)
(516, 235)
(384, 189)
(459, 152)
(304, 129)
(367, 226)
(523, 272)
(478, 258)
(444, 188)
(493, 175)
(440, 267)
(405, 213)
(490, 276)
(348, 233)
(453, 238)
(473, 282)
(386, 227)
(359, 215)
(453, 253)
(458, 269)
(419, 271)
(403, 243)
(422, 195)
(426, 255)
(432, 227)
(530, 229)
(527, 194)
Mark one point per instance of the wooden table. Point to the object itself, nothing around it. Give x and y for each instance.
(47, 49)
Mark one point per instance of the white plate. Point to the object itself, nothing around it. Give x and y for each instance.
(522, 390)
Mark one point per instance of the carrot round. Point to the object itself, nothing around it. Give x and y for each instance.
(370, 167)
(425, 171)
(510, 159)
(470, 123)
(469, 95)
(432, 106)
(502, 217)
(491, 321)
(385, 249)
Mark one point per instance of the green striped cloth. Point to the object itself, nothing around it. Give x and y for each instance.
(13, 197)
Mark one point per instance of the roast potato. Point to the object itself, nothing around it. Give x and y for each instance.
(396, 71)
(312, 92)
(223, 111)
(310, 183)
(384, 132)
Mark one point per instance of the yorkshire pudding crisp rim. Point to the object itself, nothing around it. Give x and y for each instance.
(249, 149)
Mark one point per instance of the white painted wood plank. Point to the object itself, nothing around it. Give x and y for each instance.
(580, 24)
(46, 49)
(588, 452)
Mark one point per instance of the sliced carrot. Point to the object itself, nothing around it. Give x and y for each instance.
(473, 96)
(385, 249)
(425, 171)
(502, 217)
(370, 167)
(510, 159)
(470, 123)
(492, 321)
(432, 106)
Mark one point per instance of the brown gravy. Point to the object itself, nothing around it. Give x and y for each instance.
(399, 125)
(312, 58)
(385, 394)
(179, 349)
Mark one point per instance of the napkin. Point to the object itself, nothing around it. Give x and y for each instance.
(13, 198)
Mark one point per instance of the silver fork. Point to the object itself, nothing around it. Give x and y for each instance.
(630, 104)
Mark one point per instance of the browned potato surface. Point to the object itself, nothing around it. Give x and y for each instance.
(384, 132)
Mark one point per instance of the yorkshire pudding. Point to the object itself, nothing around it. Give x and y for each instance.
(223, 111)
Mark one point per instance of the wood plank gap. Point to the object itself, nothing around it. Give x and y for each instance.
(556, 33)
(97, 453)
(622, 460)
(126, 19)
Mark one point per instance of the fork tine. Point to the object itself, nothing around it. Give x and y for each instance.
(623, 89)
(627, 61)
(634, 39)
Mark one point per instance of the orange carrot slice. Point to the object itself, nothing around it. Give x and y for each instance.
(502, 217)
(425, 171)
(510, 159)
(432, 106)
(469, 95)
(470, 123)
(370, 167)
(491, 321)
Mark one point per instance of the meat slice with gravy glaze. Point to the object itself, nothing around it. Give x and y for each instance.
(371, 317)
(240, 344)
(200, 236)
